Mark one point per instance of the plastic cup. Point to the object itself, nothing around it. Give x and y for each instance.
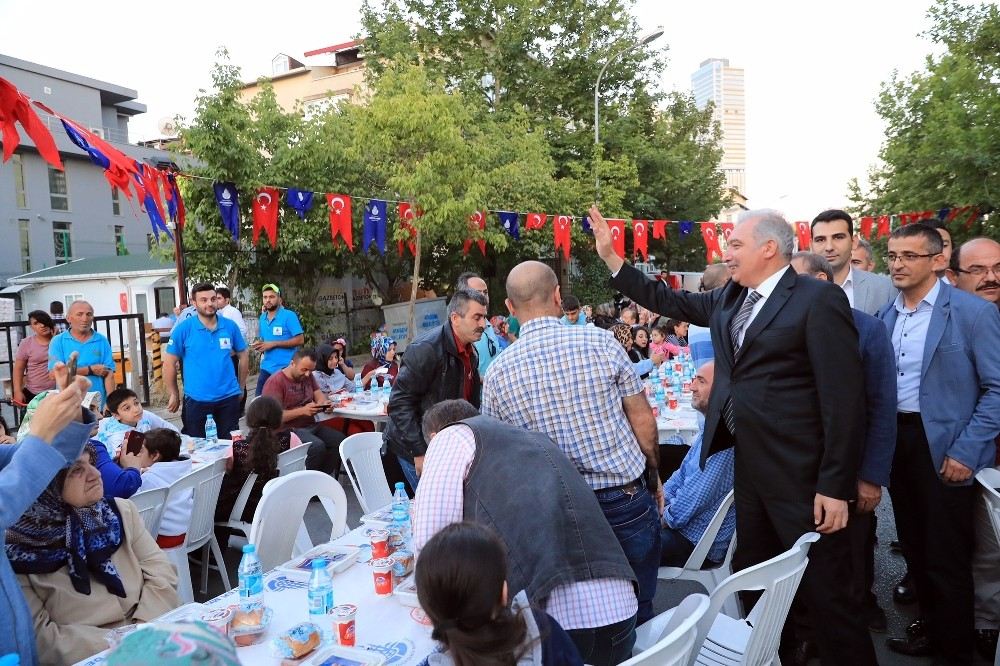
(382, 572)
(344, 624)
(380, 544)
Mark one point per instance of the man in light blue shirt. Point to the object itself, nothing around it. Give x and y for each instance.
(573, 314)
(692, 495)
(280, 335)
(487, 347)
(95, 361)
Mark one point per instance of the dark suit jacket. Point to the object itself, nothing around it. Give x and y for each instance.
(879, 364)
(797, 385)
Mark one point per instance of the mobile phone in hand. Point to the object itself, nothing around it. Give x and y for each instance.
(133, 442)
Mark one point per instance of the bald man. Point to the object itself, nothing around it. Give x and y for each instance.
(96, 362)
(577, 385)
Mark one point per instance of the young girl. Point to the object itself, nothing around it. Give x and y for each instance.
(162, 464)
(658, 343)
(462, 586)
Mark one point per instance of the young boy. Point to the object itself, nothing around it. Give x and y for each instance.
(128, 415)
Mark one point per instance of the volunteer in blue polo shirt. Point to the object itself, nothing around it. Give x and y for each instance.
(280, 335)
(96, 361)
(204, 344)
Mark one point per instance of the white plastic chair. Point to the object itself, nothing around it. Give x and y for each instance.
(677, 647)
(293, 460)
(362, 460)
(753, 640)
(151, 504)
(989, 479)
(205, 483)
(709, 578)
(235, 521)
(282, 507)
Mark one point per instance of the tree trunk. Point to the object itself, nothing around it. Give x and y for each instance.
(413, 290)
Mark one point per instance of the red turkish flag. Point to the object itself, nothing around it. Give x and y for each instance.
(618, 236)
(640, 239)
(712, 249)
(340, 219)
(727, 230)
(406, 215)
(477, 221)
(866, 226)
(660, 228)
(535, 220)
(265, 214)
(804, 233)
(883, 225)
(560, 233)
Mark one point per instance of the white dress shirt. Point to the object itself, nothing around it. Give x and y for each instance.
(848, 286)
(764, 289)
(908, 336)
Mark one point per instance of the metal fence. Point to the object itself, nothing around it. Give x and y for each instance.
(127, 336)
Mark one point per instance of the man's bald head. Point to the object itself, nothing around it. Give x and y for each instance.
(715, 276)
(532, 291)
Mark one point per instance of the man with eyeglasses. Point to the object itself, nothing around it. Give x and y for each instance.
(488, 347)
(947, 347)
(975, 269)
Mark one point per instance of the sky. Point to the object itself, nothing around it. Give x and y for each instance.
(812, 70)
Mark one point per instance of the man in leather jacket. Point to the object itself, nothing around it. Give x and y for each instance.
(439, 365)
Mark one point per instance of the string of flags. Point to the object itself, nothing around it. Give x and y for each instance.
(151, 187)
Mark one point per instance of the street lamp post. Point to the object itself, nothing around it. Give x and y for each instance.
(641, 41)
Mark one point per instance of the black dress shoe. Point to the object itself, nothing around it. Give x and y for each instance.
(911, 646)
(986, 643)
(904, 593)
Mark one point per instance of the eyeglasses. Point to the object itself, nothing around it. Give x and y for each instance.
(980, 271)
(907, 257)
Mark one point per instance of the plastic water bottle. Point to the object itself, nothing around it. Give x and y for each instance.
(211, 430)
(251, 577)
(401, 511)
(320, 592)
(358, 387)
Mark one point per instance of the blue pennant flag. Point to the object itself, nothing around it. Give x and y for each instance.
(586, 226)
(227, 196)
(300, 200)
(374, 226)
(686, 226)
(509, 222)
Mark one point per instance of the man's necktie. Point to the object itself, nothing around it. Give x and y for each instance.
(735, 327)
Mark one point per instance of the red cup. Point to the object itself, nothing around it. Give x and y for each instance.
(382, 572)
(344, 624)
(380, 544)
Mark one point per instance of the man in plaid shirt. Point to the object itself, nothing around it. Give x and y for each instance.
(577, 385)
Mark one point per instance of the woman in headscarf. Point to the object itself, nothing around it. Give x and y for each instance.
(623, 334)
(86, 565)
(54, 441)
(328, 374)
(383, 361)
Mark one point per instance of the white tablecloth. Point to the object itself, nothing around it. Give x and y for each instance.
(400, 633)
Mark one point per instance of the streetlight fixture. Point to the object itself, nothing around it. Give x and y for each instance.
(641, 41)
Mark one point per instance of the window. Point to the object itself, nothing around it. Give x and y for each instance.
(62, 242)
(116, 203)
(20, 191)
(25, 233)
(58, 191)
(120, 248)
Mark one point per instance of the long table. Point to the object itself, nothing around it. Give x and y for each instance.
(402, 634)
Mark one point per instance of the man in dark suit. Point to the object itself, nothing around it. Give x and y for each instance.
(788, 393)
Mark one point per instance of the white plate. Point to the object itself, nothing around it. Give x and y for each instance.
(346, 656)
(383, 515)
(341, 557)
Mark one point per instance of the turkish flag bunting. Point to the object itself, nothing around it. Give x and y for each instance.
(265, 214)
(712, 248)
(618, 236)
(640, 239)
(883, 225)
(477, 221)
(660, 229)
(534, 220)
(866, 226)
(406, 214)
(804, 233)
(560, 232)
(727, 230)
(340, 219)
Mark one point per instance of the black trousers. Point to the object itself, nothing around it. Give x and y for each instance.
(934, 521)
(766, 527)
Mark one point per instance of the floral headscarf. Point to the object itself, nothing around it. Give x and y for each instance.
(380, 348)
(52, 534)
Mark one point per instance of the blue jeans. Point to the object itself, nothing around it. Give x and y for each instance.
(262, 377)
(410, 472)
(605, 646)
(226, 413)
(636, 523)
